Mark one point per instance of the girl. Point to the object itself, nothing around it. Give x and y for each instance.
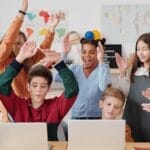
(137, 118)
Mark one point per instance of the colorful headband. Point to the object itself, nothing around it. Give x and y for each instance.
(93, 35)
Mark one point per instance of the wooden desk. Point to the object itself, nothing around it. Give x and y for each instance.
(58, 145)
(129, 146)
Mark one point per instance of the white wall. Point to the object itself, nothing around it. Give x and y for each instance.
(83, 15)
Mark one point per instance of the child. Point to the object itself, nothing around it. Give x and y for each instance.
(92, 76)
(37, 109)
(137, 118)
(13, 41)
(111, 104)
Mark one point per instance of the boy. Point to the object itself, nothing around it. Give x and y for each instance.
(36, 108)
(111, 104)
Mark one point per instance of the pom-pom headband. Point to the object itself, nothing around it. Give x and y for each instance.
(93, 35)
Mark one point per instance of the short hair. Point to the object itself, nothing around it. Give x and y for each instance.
(40, 71)
(114, 92)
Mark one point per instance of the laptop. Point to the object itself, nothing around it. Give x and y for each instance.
(96, 134)
(23, 136)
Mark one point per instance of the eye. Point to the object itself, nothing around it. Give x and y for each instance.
(92, 52)
(83, 52)
(34, 85)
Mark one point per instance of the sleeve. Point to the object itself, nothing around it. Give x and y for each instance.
(64, 104)
(47, 42)
(9, 39)
(104, 76)
(7, 76)
(68, 79)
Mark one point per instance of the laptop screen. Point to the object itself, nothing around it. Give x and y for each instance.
(23, 136)
(96, 134)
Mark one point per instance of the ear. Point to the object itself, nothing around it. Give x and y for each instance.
(101, 103)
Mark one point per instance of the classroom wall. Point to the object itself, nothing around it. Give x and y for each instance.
(82, 15)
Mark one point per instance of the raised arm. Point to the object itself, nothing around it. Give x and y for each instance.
(28, 50)
(46, 44)
(9, 38)
(68, 79)
(55, 20)
(104, 70)
(122, 64)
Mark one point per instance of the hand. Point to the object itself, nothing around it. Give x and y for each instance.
(50, 59)
(122, 64)
(55, 19)
(146, 106)
(28, 50)
(45, 51)
(24, 6)
(67, 44)
(4, 112)
(146, 93)
(100, 53)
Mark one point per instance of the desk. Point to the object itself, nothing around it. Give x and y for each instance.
(58, 145)
(129, 146)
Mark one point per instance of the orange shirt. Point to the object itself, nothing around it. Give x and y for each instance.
(19, 84)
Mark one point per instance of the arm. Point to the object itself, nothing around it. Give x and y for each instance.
(104, 71)
(68, 79)
(47, 42)
(55, 20)
(12, 32)
(27, 51)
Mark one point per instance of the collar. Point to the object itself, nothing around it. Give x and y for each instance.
(142, 71)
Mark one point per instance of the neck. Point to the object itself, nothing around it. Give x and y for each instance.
(88, 71)
(147, 65)
(36, 104)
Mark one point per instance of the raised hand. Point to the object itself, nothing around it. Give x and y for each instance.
(55, 19)
(67, 44)
(100, 53)
(28, 50)
(122, 64)
(50, 59)
(24, 6)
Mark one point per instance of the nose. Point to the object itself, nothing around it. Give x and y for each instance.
(111, 109)
(38, 88)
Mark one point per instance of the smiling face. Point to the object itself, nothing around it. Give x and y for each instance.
(111, 107)
(143, 52)
(38, 88)
(89, 56)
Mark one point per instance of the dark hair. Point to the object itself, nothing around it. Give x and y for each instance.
(40, 71)
(92, 41)
(114, 92)
(23, 35)
(137, 63)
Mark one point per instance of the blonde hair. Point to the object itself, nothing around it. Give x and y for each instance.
(114, 92)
